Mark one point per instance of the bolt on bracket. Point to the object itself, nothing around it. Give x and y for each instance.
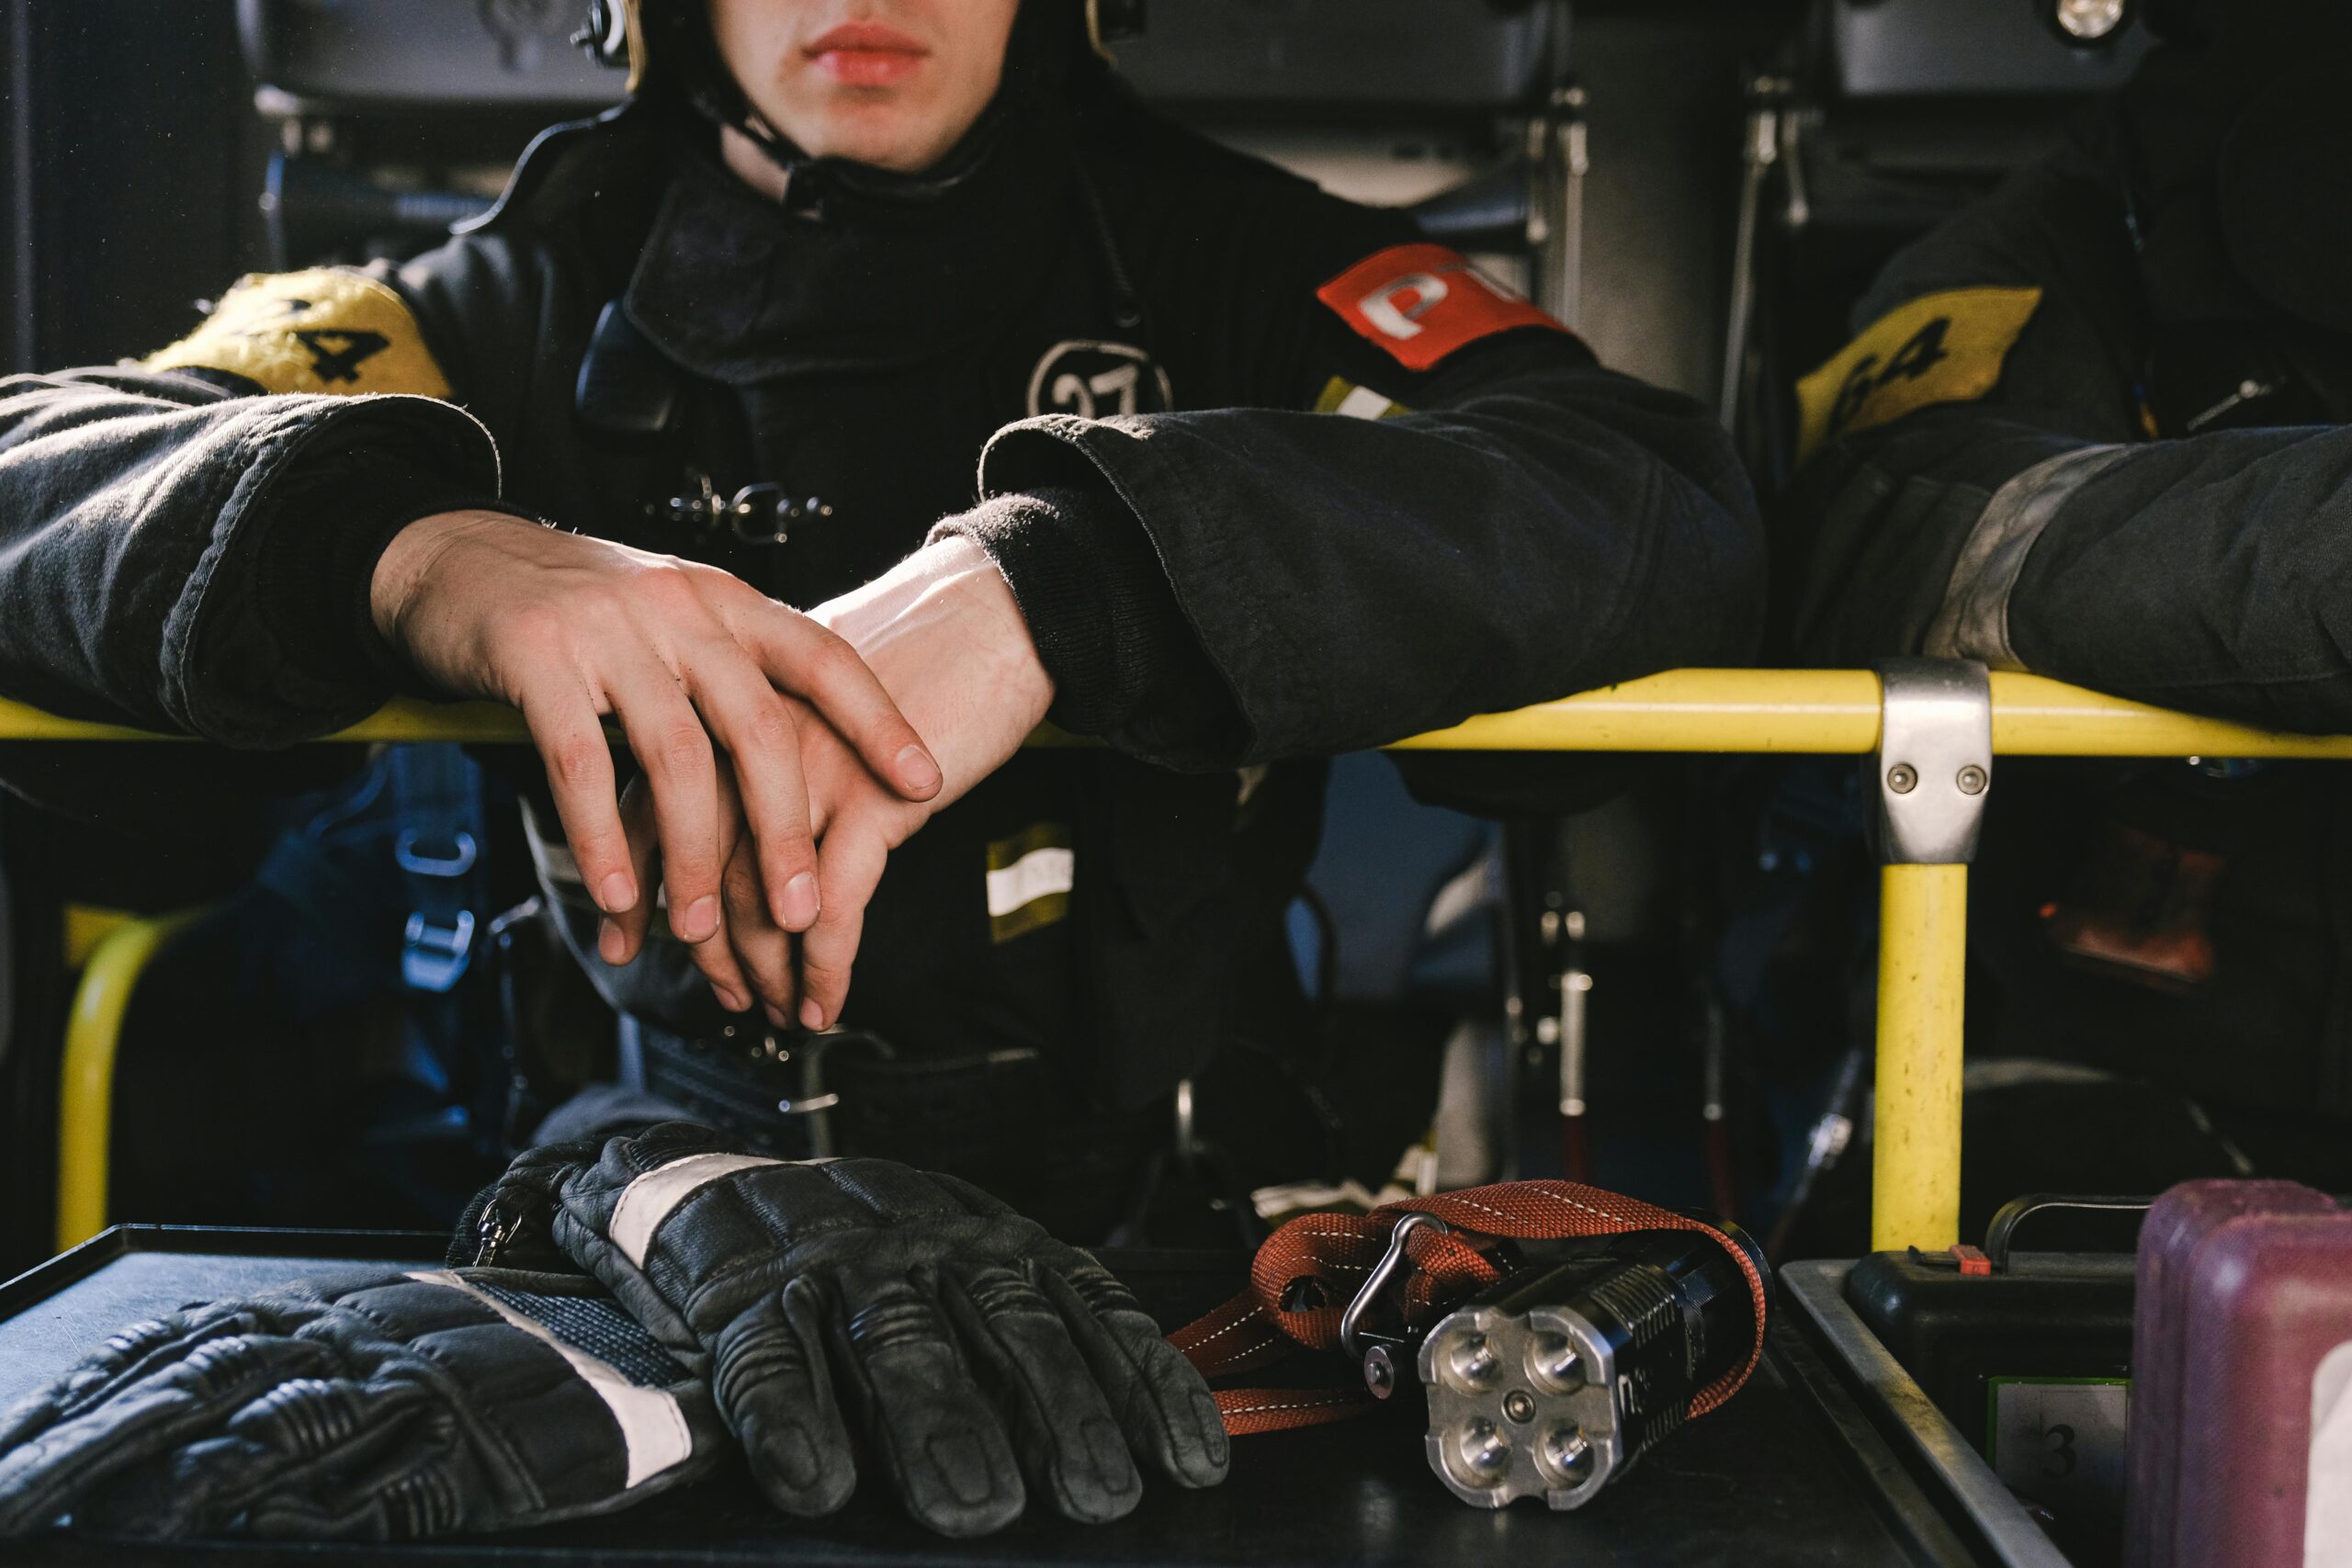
(1935, 759)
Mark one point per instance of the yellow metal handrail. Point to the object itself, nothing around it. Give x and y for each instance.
(1822, 711)
(1922, 932)
(86, 1073)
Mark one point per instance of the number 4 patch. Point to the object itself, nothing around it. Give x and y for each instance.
(1939, 348)
(326, 329)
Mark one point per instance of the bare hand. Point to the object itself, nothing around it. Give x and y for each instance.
(944, 636)
(571, 630)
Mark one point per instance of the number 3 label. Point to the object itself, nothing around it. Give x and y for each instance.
(2061, 1441)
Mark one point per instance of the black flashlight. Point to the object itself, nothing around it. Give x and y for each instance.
(1553, 1382)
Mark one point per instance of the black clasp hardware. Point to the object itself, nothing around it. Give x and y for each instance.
(757, 514)
(492, 1233)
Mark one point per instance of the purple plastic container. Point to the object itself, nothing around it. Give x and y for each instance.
(2171, 1242)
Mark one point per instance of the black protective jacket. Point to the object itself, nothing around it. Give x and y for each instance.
(2096, 427)
(1270, 478)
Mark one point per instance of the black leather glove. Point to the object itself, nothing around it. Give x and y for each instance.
(968, 1347)
(372, 1404)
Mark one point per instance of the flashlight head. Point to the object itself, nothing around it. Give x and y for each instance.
(1522, 1405)
(1554, 1381)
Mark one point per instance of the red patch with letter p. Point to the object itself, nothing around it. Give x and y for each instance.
(1421, 302)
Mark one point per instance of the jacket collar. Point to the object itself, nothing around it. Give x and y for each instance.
(852, 269)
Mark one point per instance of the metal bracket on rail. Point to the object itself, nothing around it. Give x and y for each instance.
(1935, 759)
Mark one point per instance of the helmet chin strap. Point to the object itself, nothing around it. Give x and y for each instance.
(961, 163)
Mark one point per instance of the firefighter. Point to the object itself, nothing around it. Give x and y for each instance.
(909, 314)
(2092, 428)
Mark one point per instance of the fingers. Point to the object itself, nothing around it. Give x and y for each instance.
(1071, 1446)
(692, 806)
(398, 1476)
(570, 737)
(413, 1502)
(1159, 1400)
(808, 660)
(696, 816)
(621, 936)
(762, 948)
(849, 867)
(702, 676)
(772, 1386)
(291, 1441)
(173, 1495)
(133, 1353)
(930, 1426)
(182, 1400)
(672, 748)
(761, 735)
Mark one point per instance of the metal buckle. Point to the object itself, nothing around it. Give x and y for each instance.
(434, 956)
(757, 514)
(492, 1233)
(762, 514)
(699, 509)
(463, 852)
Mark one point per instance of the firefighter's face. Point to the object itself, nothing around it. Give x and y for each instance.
(890, 82)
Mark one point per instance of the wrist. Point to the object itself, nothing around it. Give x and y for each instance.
(971, 573)
(952, 587)
(406, 568)
(942, 632)
(1097, 600)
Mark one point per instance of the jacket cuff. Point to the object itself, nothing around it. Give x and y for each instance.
(1973, 620)
(1098, 602)
(321, 530)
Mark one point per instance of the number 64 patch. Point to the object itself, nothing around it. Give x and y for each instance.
(1939, 348)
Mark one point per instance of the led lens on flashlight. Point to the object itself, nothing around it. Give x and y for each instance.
(1471, 1363)
(2089, 20)
(1484, 1451)
(1553, 1362)
(1566, 1456)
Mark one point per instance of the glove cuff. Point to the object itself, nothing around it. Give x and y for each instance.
(511, 1223)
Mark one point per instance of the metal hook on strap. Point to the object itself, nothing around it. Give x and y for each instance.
(1391, 1264)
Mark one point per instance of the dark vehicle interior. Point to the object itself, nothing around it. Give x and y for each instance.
(1699, 189)
(1661, 986)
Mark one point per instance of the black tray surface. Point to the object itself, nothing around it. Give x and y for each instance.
(1787, 1473)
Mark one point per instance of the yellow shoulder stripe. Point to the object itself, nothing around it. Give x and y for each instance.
(325, 330)
(1939, 348)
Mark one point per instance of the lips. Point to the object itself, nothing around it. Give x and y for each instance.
(867, 54)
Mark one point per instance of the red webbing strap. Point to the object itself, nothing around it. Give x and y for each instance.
(1336, 1251)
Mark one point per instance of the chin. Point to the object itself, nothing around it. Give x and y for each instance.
(882, 135)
